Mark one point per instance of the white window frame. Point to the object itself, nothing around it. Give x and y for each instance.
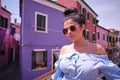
(47, 61)
(46, 24)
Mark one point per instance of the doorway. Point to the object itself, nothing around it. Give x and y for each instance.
(55, 56)
(11, 57)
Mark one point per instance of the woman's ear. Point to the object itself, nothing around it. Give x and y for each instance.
(83, 27)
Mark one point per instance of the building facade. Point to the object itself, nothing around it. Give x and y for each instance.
(111, 44)
(41, 34)
(117, 38)
(14, 41)
(117, 47)
(88, 12)
(102, 36)
(41, 37)
(4, 36)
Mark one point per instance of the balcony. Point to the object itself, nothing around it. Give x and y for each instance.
(46, 76)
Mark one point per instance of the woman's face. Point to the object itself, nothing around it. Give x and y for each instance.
(72, 30)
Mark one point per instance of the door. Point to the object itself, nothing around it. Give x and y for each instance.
(55, 56)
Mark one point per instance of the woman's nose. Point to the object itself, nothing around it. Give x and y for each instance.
(69, 31)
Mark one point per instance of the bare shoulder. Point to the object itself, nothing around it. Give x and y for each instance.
(97, 49)
(100, 49)
(64, 49)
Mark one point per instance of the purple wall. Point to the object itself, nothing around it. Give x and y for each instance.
(36, 40)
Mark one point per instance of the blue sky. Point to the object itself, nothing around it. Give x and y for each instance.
(13, 7)
(108, 11)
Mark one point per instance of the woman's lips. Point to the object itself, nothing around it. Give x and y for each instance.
(71, 36)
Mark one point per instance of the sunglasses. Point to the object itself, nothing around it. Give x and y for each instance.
(72, 28)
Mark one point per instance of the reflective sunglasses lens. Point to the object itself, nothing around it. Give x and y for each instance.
(72, 28)
(65, 31)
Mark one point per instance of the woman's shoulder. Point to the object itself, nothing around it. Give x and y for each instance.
(99, 49)
(65, 49)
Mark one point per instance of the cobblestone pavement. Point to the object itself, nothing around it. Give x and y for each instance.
(11, 73)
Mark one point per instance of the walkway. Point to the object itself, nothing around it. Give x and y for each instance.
(11, 73)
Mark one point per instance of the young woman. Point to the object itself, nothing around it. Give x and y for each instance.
(82, 60)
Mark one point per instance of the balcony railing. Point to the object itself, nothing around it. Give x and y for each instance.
(46, 76)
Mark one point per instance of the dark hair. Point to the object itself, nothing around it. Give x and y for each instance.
(73, 14)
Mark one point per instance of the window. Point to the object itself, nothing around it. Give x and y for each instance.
(88, 15)
(94, 21)
(110, 39)
(39, 59)
(87, 35)
(13, 30)
(3, 22)
(103, 36)
(6, 22)
(80, 9)
(93, 37)
(113, 40)
(55, 56)
(84, 12)
(107, 37)
(41, 22)
(116, 39)
(98, 35)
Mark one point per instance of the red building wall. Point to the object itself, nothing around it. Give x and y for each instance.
(4, 37)
(69, 4)
(91, 27)
(14, 40)
(89, 24)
